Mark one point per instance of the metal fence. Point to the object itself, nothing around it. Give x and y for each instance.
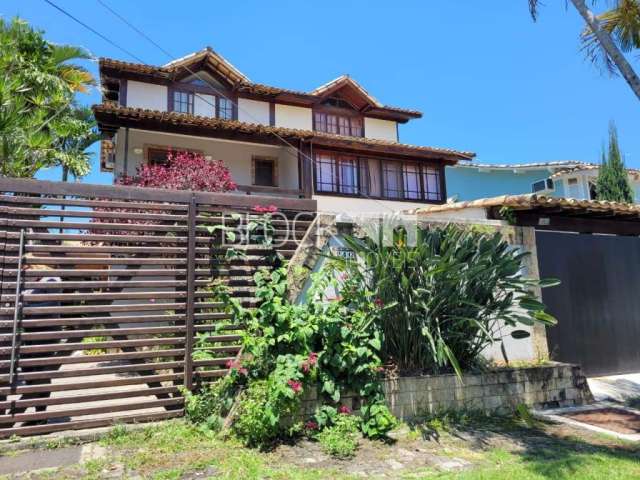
(106, 310)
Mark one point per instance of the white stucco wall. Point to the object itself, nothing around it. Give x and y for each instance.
(235, 155)
(293, 117)
(204, 105)
(380, 129)
(253, 111)
(354, 206)
(147, 95)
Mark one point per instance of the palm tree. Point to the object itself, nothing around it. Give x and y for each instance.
(609, 34)
(38, 83)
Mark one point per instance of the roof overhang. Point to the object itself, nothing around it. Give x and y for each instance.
(112, 117)
(548, 213)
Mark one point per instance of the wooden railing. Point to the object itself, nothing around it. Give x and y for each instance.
(106, 310)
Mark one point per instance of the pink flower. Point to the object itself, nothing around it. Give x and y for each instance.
(378, 302)
(313, 358)
(344, 410)
(295, 385)
(380, 369)
(229, 363)
(265, 209)
(243, 371)
(311, 425)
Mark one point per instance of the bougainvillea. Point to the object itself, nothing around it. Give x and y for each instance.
(183, 171)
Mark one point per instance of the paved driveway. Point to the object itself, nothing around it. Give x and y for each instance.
(620, 388)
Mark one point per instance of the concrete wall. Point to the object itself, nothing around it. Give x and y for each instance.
(235, 155)
(293, 117)
(380, 129)
(253, 111)
(147, 95)
(500, 391)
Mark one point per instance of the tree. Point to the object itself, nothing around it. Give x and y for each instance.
(613, 181)
(77, 139)
(609, 34)
(37, 113)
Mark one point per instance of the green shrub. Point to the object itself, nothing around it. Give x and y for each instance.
(341, 439)
(443, 300)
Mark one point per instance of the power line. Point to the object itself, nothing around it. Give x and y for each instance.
(63, 11)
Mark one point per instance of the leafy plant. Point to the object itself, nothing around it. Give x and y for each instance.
(341, 439)
(38, 117)
(444, 300)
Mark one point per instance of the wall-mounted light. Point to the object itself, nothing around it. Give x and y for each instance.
(137, 151)
(208, 157)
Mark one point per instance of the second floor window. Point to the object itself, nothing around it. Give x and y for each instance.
(182, 102)
(338, 124)
(375, 178)
(225, 108)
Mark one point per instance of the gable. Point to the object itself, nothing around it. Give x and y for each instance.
(347, 90)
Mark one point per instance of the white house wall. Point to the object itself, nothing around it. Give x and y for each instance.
(147, 95)
(380, 129)
(293, 117)
(235, 155)
(354, 206)
(253, 111)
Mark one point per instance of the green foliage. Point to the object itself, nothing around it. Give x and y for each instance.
(613, 181)
(444, 300)
(40, 126)
(288, 348)
(341, 439)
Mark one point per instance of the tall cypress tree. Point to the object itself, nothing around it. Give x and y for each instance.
(613, 181)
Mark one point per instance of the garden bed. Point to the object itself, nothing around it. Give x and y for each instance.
(499, 391)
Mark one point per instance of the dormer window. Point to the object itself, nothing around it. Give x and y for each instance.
(350, 126)
(182, 102)
(225, 108)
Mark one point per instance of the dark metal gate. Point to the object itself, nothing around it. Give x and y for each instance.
(106, 310)
(598, 303)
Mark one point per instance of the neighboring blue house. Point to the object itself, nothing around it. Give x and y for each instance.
(470, 181)
(571, 179)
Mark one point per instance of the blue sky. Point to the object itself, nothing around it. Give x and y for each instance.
(487, 78)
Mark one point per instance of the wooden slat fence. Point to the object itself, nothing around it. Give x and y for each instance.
(108, 295)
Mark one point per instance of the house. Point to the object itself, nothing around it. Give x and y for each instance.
(572, 179)
(336, 144)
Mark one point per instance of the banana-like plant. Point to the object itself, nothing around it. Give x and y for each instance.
(445, 299)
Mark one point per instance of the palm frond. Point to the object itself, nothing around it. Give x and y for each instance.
(622, 23)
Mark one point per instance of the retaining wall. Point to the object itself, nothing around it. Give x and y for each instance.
(500, 391)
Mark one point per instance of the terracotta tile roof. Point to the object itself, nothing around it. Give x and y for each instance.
(590, 167)
(533, 201)
(515, 166)
(289, 133)
(243, 84)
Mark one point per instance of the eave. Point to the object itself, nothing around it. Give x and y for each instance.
(111, 117)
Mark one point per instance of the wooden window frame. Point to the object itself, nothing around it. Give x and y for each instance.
(263, 158)
(362, 165)
(340, 114)
(217, 94)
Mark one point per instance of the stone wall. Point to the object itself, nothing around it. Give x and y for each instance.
(548, 386)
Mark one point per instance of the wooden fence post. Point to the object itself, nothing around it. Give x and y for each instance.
(191, 281)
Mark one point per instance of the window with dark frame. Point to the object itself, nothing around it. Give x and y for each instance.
(225, 108)
(338, 124)
(264, 172)
(182, 102)
(396, 180)
(157, 155)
